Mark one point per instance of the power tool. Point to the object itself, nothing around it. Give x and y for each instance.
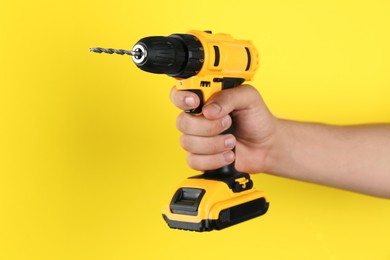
(204, 63)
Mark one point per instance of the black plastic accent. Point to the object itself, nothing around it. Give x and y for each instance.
(186, 201)
(204, 225)
(249, 59)
(197, 110)
(194, 56)
(227, 217)
(229, 177)
(231, 82)
(205, 84)
(240, 213)
(217, 56)
(177, 55)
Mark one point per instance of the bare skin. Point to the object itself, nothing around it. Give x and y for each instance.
(355, 158)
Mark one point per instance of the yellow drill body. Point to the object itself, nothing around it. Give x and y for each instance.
(224, 58)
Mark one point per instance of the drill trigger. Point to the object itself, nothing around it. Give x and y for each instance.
(198, 110)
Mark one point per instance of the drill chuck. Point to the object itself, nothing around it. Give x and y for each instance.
(177, 55)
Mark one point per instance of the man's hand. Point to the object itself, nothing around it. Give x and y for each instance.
(254, 129)
(355, 158)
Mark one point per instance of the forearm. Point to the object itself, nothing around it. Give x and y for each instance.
(355, 158)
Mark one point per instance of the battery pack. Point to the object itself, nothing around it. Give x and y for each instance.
(203, 204)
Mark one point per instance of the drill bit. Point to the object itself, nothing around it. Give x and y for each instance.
(116, 51)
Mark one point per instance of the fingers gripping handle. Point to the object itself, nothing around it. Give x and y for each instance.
(226, 84)
(228, 169)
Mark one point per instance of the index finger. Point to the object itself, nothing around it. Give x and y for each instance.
(184, 100)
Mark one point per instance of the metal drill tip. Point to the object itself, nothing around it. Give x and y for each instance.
(95, 50)
(116, 51)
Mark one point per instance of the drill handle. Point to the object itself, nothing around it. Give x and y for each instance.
(237, 181)
(225, 83)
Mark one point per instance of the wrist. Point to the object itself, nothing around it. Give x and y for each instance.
(280, 146)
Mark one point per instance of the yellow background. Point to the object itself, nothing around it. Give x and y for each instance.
(89, 152)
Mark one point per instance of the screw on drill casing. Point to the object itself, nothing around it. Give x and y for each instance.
(116, 51)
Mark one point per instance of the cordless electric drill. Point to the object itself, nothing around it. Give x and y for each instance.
(204, 63)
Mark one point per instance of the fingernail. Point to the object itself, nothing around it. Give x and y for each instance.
(229, 142)
(229, 156)
(189, 101)
(213, 108)
(226, 121)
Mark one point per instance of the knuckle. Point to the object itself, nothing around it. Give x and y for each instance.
(192, 161)
(250, 88)
(201, 162)
(178, 122)
(177, 98)
(228, 100)
(215, 147)
(172, 94)
(181, 122)
(229, 95)
(185, 142)
(213, 127)
(252, 91)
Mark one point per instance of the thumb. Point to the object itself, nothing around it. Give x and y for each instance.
(229, 100)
